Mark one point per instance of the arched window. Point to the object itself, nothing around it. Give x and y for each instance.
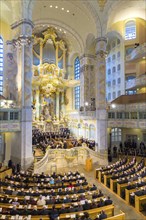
(113, 57)
(114, 69)
(1, 65)
(116, 134)
(77, 68)
(118, 54)
(77, 88)
(114, 95)
(119, 67)
(109, 71)
(130, 30)
(114, 82)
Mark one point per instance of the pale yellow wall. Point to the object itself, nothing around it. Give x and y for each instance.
(140, 30)
(5, 31)
(141, 67)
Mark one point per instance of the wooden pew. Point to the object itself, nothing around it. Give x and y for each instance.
(113, 185)
(121, 187)
(109, 210)
(106, 179)
(120, 216)
(139, 200)
(5, 172)
(127, 194)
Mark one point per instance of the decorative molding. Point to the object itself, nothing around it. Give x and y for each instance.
(101, 39)
(22, 21)
(22, 40)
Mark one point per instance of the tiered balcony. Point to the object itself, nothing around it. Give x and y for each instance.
(138, 82)
(128, 116)
(137, 53)
(87, 112)
(9, 116)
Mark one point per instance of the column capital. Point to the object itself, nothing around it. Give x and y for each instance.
(22, 40)
(98, 39)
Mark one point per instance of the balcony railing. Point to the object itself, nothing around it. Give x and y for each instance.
(138, 52)
(9, 119)
(137, 82)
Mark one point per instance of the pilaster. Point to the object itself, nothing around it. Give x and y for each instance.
(100, 99)
(23, 45)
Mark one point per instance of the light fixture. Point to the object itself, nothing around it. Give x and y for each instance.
(86, 103)
(62, 9)
(143, 58)
(56, 6)
(113, 106)
(64, 32)
(67, 10)
(60, 29)
(51, 6)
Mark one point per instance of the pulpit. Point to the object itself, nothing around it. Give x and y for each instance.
(88, 164)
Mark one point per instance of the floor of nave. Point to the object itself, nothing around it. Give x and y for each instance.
(119, 203)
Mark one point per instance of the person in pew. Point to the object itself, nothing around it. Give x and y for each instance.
(86, 216)
(86, 206)
(14, 211)
(41, 201)
(25, 211)
(93, 187)
(81, 190)
(102, 215)
(44, 211)
(54, 213)
(15, 202)
(63, 209)
(108, 201)
(101, 203)
(34, 211)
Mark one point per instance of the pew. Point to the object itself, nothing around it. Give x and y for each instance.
(5, 172)
(120, 216)
(139, 200)
(109, 210)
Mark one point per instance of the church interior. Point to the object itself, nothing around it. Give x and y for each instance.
(73, 109)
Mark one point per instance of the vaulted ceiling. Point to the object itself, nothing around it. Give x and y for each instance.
(75, 20)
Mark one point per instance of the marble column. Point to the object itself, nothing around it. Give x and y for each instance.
(87, 80)
(57, 106)
(37, 105)
(100, 99)
(23, 43)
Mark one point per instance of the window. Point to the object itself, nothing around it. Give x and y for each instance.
(77, 88)
(119, 67)
(77, 97)
(116, 134)
(114, 69)
(1, 65)
(118, 54)
(14, 115)
(114, 95)
(119, 80)
(109, 96)
(114, 82)
(126, 115)
(111, 115)
(77, 68)
(142, 115)
(119, 93)
(109, 83)
(133, 115)
(130, 30)
(109, 71)
(119, 115)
